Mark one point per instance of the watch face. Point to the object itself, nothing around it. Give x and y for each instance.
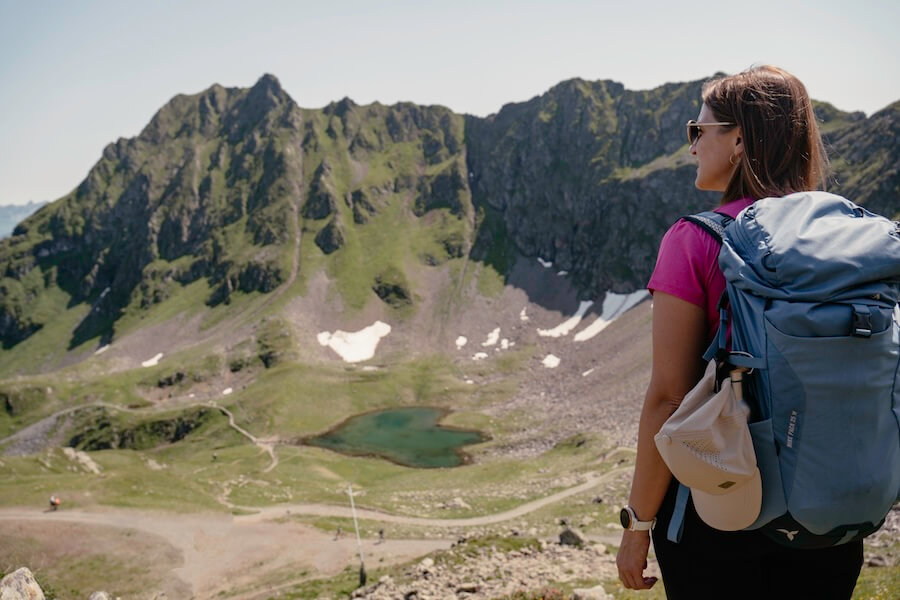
(625, 518)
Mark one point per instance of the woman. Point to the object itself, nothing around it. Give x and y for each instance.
(756, 137)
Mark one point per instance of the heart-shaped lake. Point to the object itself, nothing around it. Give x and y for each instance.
(408, 436)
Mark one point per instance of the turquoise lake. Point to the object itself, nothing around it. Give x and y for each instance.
(407, 436)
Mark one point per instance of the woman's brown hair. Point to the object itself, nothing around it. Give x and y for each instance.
(783, 150)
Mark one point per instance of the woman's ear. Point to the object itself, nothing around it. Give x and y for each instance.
(738, 144)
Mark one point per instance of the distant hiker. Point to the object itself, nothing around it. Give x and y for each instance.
(756, 141)
(380, 536)
(215, 456)
(338, 533)
(54, 503)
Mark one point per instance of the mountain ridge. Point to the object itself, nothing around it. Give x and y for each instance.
(232, 186)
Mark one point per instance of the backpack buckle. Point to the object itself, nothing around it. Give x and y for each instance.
(862, 321)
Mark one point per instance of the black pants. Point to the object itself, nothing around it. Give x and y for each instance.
(709, 563)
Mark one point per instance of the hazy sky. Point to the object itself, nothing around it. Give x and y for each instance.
(77, 75)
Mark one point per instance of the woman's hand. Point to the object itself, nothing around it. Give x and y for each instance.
(679, 335)
(632, 560)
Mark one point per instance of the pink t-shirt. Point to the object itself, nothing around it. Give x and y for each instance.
(688, 265)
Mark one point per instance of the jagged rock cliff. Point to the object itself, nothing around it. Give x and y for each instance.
(866, 159)
(204, 191)
(223, 186)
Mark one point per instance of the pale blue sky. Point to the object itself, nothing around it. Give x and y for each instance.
(75, 76)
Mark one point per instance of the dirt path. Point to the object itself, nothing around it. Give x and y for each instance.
(265, 444)
(230, 556)
(222, 555)
(327, 510)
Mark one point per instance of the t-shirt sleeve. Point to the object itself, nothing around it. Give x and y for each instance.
(687, 256)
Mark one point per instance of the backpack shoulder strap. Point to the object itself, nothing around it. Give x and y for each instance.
(712, 222)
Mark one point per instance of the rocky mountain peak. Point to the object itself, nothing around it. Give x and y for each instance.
(268, 90)
(220, 183)
(269, 84)
(341, 107)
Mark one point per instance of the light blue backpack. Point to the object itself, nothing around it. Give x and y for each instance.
(813, 282)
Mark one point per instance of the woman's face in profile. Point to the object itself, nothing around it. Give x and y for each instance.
(714, 148)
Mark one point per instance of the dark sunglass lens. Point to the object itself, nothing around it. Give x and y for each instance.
(693, 131)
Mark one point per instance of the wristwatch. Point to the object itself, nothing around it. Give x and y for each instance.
(630, 521)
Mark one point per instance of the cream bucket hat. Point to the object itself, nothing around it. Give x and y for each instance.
(706, 444)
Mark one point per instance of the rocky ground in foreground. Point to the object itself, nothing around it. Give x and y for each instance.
(472, 570)
(476, 570)
(882, 549)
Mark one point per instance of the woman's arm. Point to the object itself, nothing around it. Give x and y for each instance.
(679, 339)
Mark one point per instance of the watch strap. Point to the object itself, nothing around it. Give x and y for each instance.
(636, 525)
(642, 525)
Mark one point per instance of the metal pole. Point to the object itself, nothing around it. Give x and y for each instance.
(362, 566)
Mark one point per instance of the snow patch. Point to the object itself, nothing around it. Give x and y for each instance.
(544, 263)
(522, 316)
(355, 346)
(504, 344)
(461, 341)
(614, 305)
(570, 324)
(550, 361)
(563, 273)
(479, 356)
(492, 338)
(153, 361)
(101, 349)
(588, 372)
(227, 391)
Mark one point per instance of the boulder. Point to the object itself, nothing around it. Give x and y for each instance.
(876, 560)
(572, 537)
(594, 593)
(20, 585)
(458, 503)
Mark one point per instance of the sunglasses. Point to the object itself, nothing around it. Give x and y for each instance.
(693, 129)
